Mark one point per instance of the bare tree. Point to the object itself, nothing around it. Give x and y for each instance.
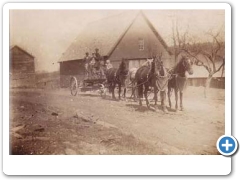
(180, 40)
(212, 52)
(214, 56)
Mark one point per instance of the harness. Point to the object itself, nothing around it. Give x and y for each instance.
(160, 86)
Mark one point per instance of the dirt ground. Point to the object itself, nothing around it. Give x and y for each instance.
(54, 122)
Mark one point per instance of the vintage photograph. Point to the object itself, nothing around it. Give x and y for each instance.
(116, 82)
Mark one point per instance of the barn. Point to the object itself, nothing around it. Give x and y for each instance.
(22, 68)
(200, 75)
(129, 36)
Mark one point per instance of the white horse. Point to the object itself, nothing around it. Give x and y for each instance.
(132, 73)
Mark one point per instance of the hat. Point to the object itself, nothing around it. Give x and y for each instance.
(87, 53)
(96, 49)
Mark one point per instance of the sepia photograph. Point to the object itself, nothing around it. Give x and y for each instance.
(116, 81)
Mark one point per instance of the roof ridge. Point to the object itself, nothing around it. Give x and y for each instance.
(123, 34)
(108, 17)
(85, 27)
(11, 47)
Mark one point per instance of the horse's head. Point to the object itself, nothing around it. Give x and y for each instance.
(123, 67)
(158, 66)
(187, 65)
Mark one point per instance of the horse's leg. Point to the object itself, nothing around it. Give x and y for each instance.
(146, 96)
(140, 94)
(113, 88)
(133, 95)
(119, 91)
(163, 100)
(169, 97)
(181, 103)
(155, 97)
(124, 92)
(134, 91)
(176, 98)
(110, 87)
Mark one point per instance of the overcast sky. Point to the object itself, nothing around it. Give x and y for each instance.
(46, 34)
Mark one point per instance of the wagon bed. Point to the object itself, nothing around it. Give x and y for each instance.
(86, 85)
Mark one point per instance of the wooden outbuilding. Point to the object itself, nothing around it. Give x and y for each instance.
(22, 68)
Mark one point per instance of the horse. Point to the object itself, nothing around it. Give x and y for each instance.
(154, 76)
(178, 80)
(117, 76)
(132, 73)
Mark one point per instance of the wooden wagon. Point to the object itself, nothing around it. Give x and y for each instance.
(95, 81)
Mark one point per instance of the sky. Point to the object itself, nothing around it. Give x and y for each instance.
(46, 34)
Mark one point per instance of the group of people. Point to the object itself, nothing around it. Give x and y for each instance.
(95, 64)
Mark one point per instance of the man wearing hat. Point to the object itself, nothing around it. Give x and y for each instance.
(86, 63)
(97, 54)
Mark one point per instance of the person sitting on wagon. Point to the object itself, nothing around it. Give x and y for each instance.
(97, 54)
(99, 63)
(86, 64)
(92, 64)
(108, 64)
(97, 59)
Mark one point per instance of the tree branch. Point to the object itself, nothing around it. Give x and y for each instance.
(198, 62)
(223, 63)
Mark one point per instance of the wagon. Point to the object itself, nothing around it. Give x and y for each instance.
(88, 84)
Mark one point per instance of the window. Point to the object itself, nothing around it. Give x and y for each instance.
(140, 44)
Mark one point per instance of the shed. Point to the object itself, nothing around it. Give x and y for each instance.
(22, 68)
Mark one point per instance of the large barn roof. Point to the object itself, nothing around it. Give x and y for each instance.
(104, 34)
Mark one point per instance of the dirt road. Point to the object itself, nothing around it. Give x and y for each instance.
(54, 122)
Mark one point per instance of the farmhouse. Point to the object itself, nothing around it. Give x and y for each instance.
(22, 68)
(132, 37)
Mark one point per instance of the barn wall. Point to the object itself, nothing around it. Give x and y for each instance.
(69, 69)
(215, 82)
(129, 46)
(22, 69)
(20, 62)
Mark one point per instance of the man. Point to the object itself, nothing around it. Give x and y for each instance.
(91, 65)
(99, 62)
(108, 64)
(86, 63)
(97, 54)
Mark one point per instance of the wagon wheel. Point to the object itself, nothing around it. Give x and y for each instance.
(74, 86)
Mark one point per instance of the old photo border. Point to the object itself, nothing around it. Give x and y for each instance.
(117, 164)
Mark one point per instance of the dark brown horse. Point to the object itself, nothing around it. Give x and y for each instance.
(117, 77)
(154, 76)
(178, 80)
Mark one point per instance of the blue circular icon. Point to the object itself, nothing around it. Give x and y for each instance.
(227, 145)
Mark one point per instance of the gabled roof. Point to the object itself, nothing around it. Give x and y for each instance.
(156, 33)
(105, 34)
(21, 49)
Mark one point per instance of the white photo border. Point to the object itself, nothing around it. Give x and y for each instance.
(115, 164)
